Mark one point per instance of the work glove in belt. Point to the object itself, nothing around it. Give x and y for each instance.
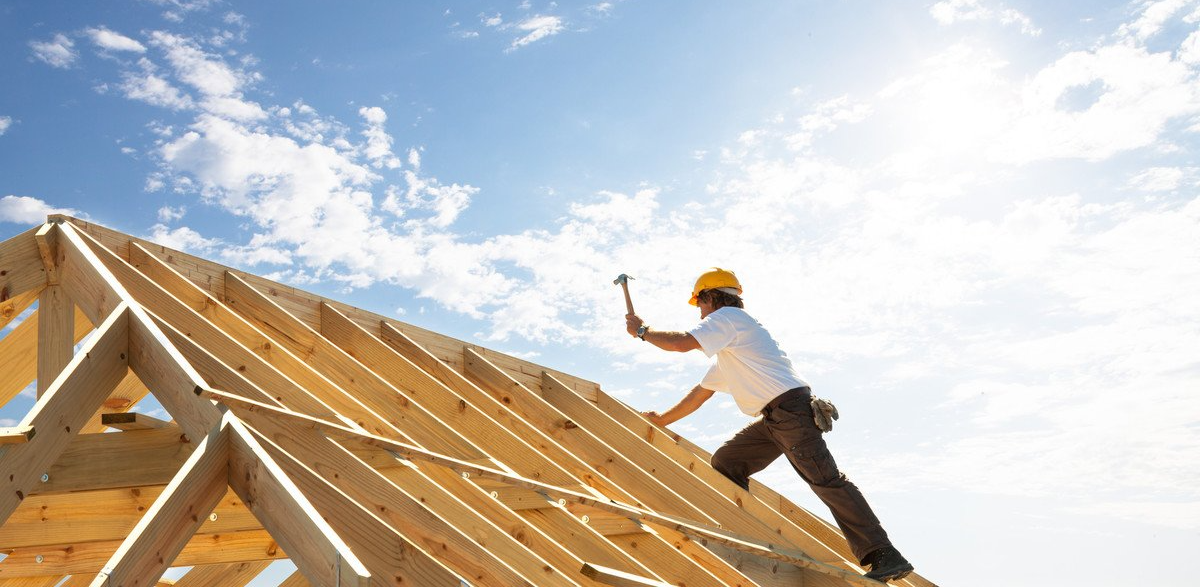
(824, 413)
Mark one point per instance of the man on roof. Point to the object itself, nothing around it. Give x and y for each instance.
(752, 368)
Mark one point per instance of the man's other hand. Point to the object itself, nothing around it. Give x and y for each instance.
(655, 418)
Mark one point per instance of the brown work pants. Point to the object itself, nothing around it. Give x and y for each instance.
(787, 428)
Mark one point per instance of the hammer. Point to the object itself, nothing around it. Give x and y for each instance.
(623, 280)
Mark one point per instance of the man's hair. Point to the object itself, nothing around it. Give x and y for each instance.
(720, 299)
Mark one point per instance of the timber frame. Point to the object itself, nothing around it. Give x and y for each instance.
(366, 450)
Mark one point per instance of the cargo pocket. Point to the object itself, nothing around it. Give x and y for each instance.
(811, 458)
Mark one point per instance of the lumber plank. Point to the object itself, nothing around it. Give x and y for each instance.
(87, 282)
(702, 491)
(103, 461)
(226, 575)
(459, 545)
(128, 421)
(759, 501)
(161, 534)
(12, 307)
(391, 556)
(18, 353)
(16, 434)
(163, 368)
(613, 465)
(469, 414)
(30, 581)
(167, 309)
(552, 533)
(565, 457)
(128, 393)
(56, 342)
(105, 515)
(284, 510)
(663, 523)
(21, 266)
(607, 576)
(327, 360)
(47, 243)
(89, 558)
(63, 410)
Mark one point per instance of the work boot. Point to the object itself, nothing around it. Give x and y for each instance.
(887, 564)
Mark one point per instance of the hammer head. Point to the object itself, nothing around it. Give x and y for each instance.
(622, 279)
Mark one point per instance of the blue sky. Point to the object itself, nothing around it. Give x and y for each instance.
(972, 224)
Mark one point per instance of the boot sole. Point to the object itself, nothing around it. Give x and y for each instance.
(892, 575)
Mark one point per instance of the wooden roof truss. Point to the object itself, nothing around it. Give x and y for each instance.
(366, 450)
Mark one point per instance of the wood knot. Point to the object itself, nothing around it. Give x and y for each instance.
(569, 425)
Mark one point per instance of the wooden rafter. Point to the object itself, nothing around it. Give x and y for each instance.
(367, 450)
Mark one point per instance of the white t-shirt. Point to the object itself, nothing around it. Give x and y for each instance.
(750, 365)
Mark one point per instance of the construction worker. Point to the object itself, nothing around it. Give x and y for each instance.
(752, 368)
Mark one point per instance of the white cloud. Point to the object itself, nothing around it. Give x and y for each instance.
(948, 12)
(149, 87)
(183, 238)
(113, 41)
(379, 142)
(27, 210)
(1160, 179)
(169, 214)
(1155, 14)
(1141, 92)
(537, 28)
(206, 72)
(491, 21)
(5, 122)
(58, 52)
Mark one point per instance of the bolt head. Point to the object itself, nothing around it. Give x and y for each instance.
(45, 477)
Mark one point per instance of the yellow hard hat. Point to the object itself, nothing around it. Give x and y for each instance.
(712, 279)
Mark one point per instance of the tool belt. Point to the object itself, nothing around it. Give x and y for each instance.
(824, 412)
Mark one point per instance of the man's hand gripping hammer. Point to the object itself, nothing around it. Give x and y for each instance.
(623, 280)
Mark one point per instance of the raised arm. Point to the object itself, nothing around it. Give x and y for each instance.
(666, 340)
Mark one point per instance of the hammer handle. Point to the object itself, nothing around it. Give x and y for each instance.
(628, 302)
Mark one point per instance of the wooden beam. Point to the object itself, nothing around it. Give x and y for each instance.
(21, 266)
(226, 575)
(132, 421)
(109, 461)
(469, 411)
(89, 558)
(128, 393)
(104, 515)
(697, 489)
(30, 581)
(18, 353)
(326, 360)
(315, 461)
(12, 307)
(161, 534)
(162, 368)
(56, 342)
(16, 434)
(702, 565)
(617, 467)
(47, 243)
(63, 410)
(255, 412)
(284, 510)
(93, 287)
(607, 576)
